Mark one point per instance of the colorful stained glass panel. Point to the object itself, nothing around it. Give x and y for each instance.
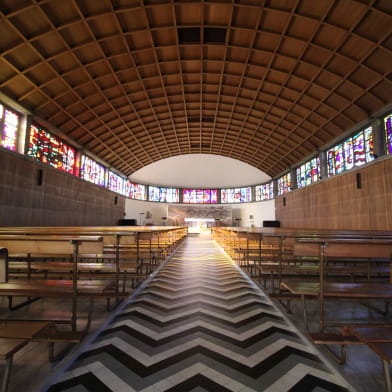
(388, 133)
(284, 184)
(9, 123)
(354, 151)
(236, 195)
(116, 183)
(308, 173)
(369, 147)
(331, 162)
(172, 195)
(49, 149)
(264, 191)
(200, 196)
(339, 158)
(92, 171)
(359, 149)
(135, 191)
(163, 195)
(349, 153)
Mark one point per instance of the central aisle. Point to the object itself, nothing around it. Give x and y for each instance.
(200, 325)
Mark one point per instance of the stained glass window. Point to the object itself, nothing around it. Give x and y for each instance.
(236, 195)
(154, 193)
(264, 191)
(116, 183)
(224, 195)
(47, 148)
(349, 153)
(214, 196)
(172, 195)
(164, 195)
(333, 160)
(246, 194)
(308, 173)
(92, 171)
(359, 149)
(354, 151)
(363, 147)
(339, 158)
(200, 196)
(135, 191)
(388, 133)
(189, 195)
(284, 184)
(9, 126)
(369, 146)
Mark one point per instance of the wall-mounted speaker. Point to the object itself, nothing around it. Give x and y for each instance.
(271, 223)
(359, 181)
(127, 222)
(40, 177)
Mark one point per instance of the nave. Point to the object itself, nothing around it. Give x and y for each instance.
(199, 324)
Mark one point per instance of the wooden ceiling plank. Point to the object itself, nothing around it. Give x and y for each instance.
(187, 146)
(45, 61)
(342, 109)
(164, 87)
(119, 83)
(112, 71)
(261, 83)
(252, 33)
(323, 67)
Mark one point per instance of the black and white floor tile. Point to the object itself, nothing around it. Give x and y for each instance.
(200, 325)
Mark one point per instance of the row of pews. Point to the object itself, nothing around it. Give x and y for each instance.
(72, 263)
(322, 265)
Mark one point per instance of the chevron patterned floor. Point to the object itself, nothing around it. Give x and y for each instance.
(199, 324)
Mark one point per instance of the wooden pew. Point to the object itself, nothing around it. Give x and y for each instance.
(8, 347)
(128, 272)
(72, 243)
(268, 253)
(15, 334)
(112, 238)
(3, 265)
(39, 331)
(126, 243)
(378, 339)
(338, 247)
(280, 261)
(13, 337)
(52, 244)
(294, 263)
(145, 247)
(141, 245)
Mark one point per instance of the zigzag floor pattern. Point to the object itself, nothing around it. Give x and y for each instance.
(200, 325)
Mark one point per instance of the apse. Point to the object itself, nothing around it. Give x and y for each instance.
(200, 170)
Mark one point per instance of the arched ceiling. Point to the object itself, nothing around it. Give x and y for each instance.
(199, 170)
(135, 81)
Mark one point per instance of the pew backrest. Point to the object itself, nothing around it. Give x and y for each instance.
(51, 244)
(339, 247)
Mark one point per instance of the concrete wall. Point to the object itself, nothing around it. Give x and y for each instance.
(133, 209)
(60, 200)
(264, 210)
(261, 211)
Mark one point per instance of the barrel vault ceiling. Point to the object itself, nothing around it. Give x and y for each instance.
(266, 82)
